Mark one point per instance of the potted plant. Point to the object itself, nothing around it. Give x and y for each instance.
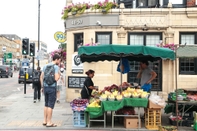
(74, 9)
(104, 6)
(170, 46)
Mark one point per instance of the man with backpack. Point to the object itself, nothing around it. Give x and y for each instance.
(36, 84)
(49, 77)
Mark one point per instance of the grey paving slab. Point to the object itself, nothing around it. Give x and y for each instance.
(18, 111)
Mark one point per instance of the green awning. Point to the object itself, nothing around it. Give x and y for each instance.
(131, 52)
(187, 51)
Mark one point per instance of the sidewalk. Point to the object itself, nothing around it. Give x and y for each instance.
(18, 112)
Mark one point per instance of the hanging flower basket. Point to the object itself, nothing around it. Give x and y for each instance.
(74, 13)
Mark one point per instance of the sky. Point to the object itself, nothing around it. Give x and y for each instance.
(20, 17)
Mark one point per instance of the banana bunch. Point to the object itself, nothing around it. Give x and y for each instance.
(119, 97)
(94, 104)
(144, 94)
(129, 89)
(115, 93)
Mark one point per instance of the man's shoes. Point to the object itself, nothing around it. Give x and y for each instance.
(39, 100)
(58, 101)
(34, 101)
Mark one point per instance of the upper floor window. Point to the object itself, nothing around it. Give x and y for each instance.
(104, 38)
(188, 66)
(78, 41)
(144, 39)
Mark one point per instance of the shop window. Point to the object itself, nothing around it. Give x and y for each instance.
(148, 39)
(188, 66)
(104, 38)
(78, 41)
(175, 3)
(156, 66)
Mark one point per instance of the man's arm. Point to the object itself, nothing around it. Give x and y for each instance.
(154, 75)
(41, 79)
(139, 75)
(57, 73)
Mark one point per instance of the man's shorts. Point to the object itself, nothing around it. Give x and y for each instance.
(50, 96)
(147, 87)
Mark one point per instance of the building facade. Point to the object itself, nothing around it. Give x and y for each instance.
(10, 44)
(132, 26)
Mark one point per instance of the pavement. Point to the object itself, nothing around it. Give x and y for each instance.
(18, 112)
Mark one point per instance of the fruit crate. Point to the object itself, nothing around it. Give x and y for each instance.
(79, 119)
(152, 119)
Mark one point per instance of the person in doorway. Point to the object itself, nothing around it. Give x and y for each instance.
(60, 84)
(37, 84)
(50, 89)
(147, 75)
(88, 85)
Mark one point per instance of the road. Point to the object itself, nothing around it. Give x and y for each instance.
(10, 85)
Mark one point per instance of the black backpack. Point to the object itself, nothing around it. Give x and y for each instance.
(36, 77)
(49, 75)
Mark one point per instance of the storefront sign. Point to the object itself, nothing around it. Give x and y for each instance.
(60, 37)
(76, 81)
(77, 22)
(77, 66)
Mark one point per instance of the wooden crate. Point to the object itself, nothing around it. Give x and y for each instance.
(153, 119)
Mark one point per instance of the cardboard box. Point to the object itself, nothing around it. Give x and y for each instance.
(131, 122)
(152, 105)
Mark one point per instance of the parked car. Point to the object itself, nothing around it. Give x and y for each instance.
(21, 76)
(6, 71)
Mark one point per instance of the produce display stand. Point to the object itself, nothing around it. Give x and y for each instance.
(116, 105)
(183, 110)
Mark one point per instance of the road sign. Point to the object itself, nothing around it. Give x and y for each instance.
(4, 57)
(40, 55)
(9, 55)
(25, 64)
(4, 48)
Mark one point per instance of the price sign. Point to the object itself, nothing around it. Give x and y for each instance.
(60, 37)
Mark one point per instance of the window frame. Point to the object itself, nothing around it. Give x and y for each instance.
(75, 41)
(103, 33)
(160, 72)
(144, 36)
(195, 59)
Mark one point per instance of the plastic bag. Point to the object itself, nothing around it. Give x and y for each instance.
(157, 100)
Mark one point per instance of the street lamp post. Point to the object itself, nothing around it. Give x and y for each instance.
(38, 29)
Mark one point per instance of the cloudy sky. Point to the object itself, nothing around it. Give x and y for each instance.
(20, 17)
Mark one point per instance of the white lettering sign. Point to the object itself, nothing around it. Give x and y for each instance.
(77, 22)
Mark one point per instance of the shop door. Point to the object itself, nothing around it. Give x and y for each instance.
(156, 66)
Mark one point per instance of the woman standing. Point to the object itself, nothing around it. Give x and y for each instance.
(88, 85)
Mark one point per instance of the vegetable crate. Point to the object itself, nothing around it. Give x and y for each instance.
(79, 119)
(153, 119)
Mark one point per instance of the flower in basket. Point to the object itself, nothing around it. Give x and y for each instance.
(75, 9)
(61, 52)
(170, 46)
(105, 6)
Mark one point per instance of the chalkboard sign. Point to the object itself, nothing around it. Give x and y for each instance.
(76, 81)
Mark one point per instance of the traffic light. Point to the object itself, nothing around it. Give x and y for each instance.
(32, 49)
(25, 46)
